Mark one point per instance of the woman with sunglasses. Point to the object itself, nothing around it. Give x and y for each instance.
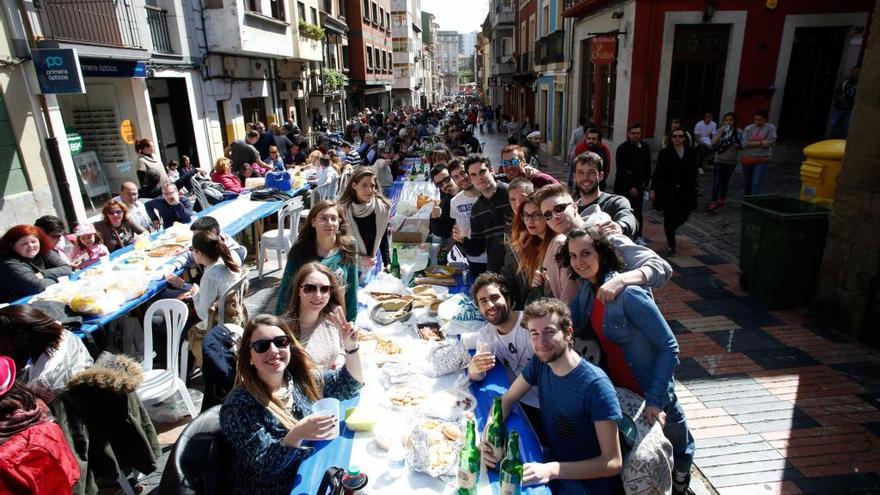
(674, 185)
(323, 240)
(639, 346)
(366, 215)
(115, 227)
(267, 417)
(530, 240)
(312, 314)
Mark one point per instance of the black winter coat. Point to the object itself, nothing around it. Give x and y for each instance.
(675, 180)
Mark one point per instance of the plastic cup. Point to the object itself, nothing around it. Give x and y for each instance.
(328, 407)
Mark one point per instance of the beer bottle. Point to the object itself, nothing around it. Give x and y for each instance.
(395, 264)
(496, 434)
(469, 463)
(511, 470)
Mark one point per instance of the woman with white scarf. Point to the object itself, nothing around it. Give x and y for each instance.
(366, 215)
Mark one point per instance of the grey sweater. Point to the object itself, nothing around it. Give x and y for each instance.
(19, 275)
(753, 133)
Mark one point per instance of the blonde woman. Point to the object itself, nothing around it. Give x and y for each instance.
(223, 175)
(267, 417)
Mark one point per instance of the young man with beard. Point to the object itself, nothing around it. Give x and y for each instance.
(514, 164)
(579, 408)
(460, 210)
(441, 222)
(593, 142)
(491, 212)
(589, 172)
(504, 339)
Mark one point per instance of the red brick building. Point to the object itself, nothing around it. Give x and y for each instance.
(369, 54)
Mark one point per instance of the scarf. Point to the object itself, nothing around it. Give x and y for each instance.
(361, 210)
(23, 419)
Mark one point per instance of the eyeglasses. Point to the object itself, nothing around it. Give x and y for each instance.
(443, 182)
(513, 162)
(114, 212)
(557, 210)
(312, 288)
(532, 217)
(262, 345)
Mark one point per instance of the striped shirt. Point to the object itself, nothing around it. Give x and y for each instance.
(352, 158)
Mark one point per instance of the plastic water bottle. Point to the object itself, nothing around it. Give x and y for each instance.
(466, 278)
(396, 459)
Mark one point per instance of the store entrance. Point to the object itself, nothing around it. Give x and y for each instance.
(171, 113)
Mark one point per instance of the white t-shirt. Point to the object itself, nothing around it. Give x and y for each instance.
(460, 210)
(513, 351)
(703, 132)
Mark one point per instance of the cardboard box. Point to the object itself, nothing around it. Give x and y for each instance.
(412, 231)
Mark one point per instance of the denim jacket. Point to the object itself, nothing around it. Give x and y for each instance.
(634, 322)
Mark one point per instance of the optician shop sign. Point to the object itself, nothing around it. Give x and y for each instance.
(58, 71)
(99, 67)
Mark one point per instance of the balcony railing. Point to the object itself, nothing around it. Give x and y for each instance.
(158, 22)
(550, 49)
(102, 22)
(503, 15)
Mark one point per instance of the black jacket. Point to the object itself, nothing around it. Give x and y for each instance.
(675, 180)
(105, 422)
(442, 226)
(633, 168)
(19, 275)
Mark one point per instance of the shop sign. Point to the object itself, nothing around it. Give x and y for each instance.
(58, 71)
(603, 50)
(126, 130)
(99, 67)
(75, 142)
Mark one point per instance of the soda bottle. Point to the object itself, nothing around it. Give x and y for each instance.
(395, 264)
(496, 434)
(469, 463)
(511, 469)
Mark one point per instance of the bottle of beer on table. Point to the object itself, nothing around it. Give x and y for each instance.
(496, 434)
(511, 470)
(395, 264)
(469, 463)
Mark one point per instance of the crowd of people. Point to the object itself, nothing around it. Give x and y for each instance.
(561, 282)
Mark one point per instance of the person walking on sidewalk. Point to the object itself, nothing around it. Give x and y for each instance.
(641, 351)
(726, 142)
(674, 186)
(758, 140)
(633, 173)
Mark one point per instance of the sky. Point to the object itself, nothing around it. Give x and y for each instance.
(463, 16)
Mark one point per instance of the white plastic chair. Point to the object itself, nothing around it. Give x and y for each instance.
(160, 384)
(281, 239)
(343, 182)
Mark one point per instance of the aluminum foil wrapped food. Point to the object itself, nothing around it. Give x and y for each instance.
(394, 373)
(448, 356)
(432, 448)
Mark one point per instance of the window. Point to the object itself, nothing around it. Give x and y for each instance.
(301, 10)
(381, 17)
(388, 22)
(328, 6)
(375, 14)
(506, 46)
(366, 10)
(253, 5)
(384, 61)
(277, 9)
(370, 58)
(546, 22)
(315, 16)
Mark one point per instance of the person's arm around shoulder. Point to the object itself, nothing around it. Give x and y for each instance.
(656, 270)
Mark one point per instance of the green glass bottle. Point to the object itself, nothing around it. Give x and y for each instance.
(496, 434)
(395, 264)
(511, 470)
(469, 463)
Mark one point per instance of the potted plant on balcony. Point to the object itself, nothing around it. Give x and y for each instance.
(334, 80)
(311, 31)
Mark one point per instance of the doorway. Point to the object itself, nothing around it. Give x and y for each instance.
(544, 111)
(699, 55)
(816, 53)
(171, 112)
(253, 109)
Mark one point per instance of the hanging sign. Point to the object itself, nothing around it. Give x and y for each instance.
(603, 50)
(58, 71)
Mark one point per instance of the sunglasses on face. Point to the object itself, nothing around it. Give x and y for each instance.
(678, 136)
(443, 182)
(115, 212)
(514, 162)
(557, 210)
(262, 345)
(312, 288)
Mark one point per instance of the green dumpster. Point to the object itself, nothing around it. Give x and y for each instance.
(781, 249)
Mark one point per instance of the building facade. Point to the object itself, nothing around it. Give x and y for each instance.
(525, 35)
(370, 61)
(407, 57)
(502, 20)
(448, 60)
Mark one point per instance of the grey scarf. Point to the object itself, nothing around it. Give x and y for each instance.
(361, 210)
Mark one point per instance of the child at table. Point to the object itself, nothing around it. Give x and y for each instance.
(88, 247)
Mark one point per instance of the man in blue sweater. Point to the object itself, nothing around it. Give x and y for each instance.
(171, 207)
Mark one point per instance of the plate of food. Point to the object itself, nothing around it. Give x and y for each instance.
(387, 347)
(405, 396)
(167, 250)
(390, 311)
(430, 331)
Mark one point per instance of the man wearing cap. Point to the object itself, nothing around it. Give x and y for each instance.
(513, 164)
(137, 212)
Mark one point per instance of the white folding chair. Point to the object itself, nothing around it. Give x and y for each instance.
(160, 384)
(281, 239)
(343, 182)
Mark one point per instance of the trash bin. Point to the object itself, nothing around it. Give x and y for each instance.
(819, 171)
(781, 249)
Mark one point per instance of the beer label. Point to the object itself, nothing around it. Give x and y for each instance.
(467, 479)
(510, 485)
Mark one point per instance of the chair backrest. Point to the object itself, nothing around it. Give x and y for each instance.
(199, 191)
(291, 211)
(343, 181)
(176, 314)
(234, 296)
(321, 193)
(198, 463)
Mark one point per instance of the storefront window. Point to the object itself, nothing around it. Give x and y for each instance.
(598, 94)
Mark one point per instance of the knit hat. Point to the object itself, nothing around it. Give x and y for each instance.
(7, 374)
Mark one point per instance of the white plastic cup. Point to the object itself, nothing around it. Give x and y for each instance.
(328, 407)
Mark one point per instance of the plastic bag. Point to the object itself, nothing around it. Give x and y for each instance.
(463, 316)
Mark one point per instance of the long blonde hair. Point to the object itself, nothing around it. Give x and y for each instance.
(301, 369)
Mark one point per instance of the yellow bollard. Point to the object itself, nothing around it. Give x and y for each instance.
(819, 171)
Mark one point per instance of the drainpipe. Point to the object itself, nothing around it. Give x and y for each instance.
(273, 88)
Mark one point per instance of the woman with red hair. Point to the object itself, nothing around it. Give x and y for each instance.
(27, 263)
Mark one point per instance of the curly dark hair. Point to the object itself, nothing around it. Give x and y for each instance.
(490, 278)
(609, 259)
(18, 398)
(26, 333)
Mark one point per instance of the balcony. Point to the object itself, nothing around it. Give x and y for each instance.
(523, 63)
(98, 22)
(550, 49)
(503, 15)
(158, 22)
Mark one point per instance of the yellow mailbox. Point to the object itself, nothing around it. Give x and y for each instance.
(819, 171)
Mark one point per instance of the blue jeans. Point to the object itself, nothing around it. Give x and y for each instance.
(753, 177)
(676, 430)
